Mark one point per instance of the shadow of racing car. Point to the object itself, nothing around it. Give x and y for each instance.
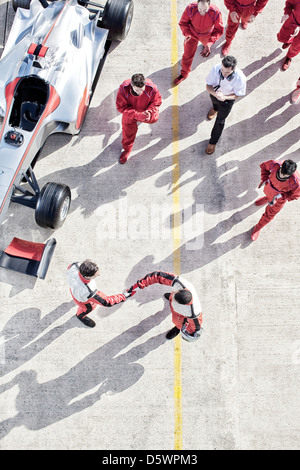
(48, 71)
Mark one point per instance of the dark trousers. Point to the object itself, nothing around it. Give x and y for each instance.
(223, 108)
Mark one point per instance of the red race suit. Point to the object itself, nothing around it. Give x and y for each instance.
(85, 293)
(206, 29)
(245, 9)
(276, 191)
(187, 317)
(132, 108)
(288, 29)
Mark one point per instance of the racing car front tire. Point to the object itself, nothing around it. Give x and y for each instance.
(117, 17)
(53, 205)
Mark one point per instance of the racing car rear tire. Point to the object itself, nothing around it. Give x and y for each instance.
(117, 17)
(21, 4)
(53, 205)
(26, 4)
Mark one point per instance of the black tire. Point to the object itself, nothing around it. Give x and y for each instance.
(26, 4)
(21, 4)
(117, 17)
(53, 205)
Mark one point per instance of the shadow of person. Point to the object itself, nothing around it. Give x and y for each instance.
(216, 187)
(264, 74)
(21, 336)
(18, 281)
(96, 187)
(90, 179)
(199, 251)
(233, 183)
(206, 250)
(102, 120)
(105, 371)
(262, 123)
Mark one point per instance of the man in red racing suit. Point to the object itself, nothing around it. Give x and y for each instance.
(138, 100)
(289, 33)
(281, 183)
(200, 22)
(240, 10)
(184, 303)
(85, 293)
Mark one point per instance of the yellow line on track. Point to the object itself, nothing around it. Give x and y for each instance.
(176, 222)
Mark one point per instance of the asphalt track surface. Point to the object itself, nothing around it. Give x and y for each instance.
(171, 207)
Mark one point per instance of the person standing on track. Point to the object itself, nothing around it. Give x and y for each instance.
(84, 291)
(289, 33)
(138, 100)
(244, 11)
(225, 83)
(183, 300)
(200, 22)
(281, 183)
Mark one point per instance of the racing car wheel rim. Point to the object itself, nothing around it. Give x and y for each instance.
(128, 22)
(65, 209)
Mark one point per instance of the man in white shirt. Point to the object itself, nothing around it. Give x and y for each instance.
(224, 83)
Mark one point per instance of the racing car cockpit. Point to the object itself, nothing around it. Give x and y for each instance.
(30, 99)
(29, 115)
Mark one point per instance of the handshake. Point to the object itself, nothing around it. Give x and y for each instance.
(131, 291)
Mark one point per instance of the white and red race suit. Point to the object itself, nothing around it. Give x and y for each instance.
(85, 293)
(132, 108)
(188, 317)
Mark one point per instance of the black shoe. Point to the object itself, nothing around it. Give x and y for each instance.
(167, 295)
(87, 321)
(179, 80)
(172, 333)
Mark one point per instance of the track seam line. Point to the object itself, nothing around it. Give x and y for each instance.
(176, 223)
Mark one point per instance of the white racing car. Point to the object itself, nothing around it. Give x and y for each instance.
(48, 71)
